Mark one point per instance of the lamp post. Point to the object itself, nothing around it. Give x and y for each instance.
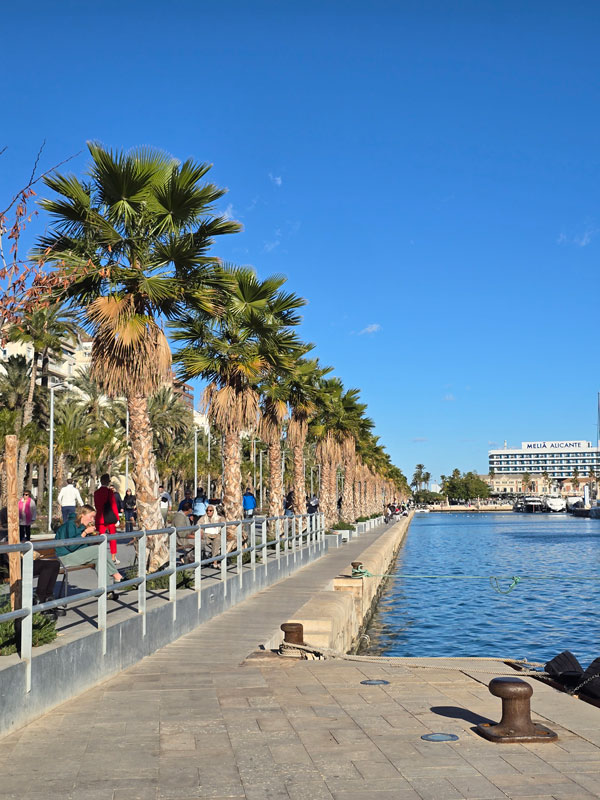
(208, 494)
(195, 460)
(127, 450)
(51, 454)
(261, 480)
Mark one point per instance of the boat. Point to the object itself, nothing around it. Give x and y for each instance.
(519, 505)
(555, 503)
(533, 504)
(574, 501)
(595, 511)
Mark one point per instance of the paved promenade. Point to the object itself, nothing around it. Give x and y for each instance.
(198, 720)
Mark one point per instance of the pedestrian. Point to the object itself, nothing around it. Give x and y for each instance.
(288, 504)
(130, 510)
(248, 502)
(200, 504)
(187, 498)
(165, 502)
(81, 525)
(107, 513)
(313, 504)
(181, 520)
(68, 499)
(27, 515)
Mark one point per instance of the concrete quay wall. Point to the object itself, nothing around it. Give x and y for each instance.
(336, 617)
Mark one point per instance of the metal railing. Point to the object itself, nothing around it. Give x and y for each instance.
(288, 535)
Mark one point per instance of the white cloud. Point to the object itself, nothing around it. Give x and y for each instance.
(373, 328)
(229, 212)
(275, 179)
(580, 239)
(419, 439)
(269, 246)
(449, 398)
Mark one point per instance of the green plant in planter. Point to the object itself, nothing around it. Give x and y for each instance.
(343, 526)
(362, 519)
(43, 632)
(185, 580)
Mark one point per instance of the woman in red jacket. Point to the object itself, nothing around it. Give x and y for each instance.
(106, 522)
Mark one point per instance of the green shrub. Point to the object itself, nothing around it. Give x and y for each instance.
(185, 580)
(343, 526)
(44, 631)
(362, 519)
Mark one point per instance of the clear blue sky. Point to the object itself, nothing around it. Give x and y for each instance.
(425, 173)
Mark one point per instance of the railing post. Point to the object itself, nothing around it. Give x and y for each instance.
(141, 553)
(263, 540)
(26, 604)
(294, 542)
(239, 547)
(224, 554)
(278, 540)
(286, 545)
(102, 579)
(253, 545)
(198, 569)
(172, 565)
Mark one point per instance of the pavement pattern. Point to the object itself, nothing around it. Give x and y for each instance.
(199, 719)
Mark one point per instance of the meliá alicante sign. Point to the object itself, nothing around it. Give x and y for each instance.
(555, 445)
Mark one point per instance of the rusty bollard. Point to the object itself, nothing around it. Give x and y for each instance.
(356, 568)
(293, 634)
(516, 724)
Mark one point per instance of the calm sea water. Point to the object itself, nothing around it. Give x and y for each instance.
(537, 620)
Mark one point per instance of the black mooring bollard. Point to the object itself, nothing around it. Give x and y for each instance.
(516, 724)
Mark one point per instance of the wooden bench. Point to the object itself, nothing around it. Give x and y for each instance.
(64, 570)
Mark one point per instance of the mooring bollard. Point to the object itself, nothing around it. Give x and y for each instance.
(516, 724)
(293, 633)
(356, 568)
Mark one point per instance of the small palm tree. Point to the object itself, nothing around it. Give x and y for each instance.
(46, 329)
(129, 247)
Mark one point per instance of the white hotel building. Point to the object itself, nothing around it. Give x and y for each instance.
(558, 459)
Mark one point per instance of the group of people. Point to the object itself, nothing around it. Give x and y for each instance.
(395, 511)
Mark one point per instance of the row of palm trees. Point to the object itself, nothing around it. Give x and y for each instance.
(126, 256)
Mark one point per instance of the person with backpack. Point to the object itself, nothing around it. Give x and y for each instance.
(107, 513)
(248, 502)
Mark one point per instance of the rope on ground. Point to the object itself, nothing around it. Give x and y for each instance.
(525, 667)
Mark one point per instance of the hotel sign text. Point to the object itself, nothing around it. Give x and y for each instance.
(555, 445)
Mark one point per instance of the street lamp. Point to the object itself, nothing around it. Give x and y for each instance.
(195, 460)
(51, 454)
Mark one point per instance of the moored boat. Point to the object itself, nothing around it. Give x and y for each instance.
(555, 503)
(533, 505)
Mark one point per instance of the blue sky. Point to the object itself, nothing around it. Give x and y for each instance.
(425, 173)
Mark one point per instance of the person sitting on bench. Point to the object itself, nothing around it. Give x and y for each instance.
(82, 523)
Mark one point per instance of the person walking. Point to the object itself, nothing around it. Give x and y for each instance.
(82, 525)
(27, 515)
(107, 513)
(68, 499)
(130, 510)
(200, 504)
(289, 504)
(249, 502)
(165, 502)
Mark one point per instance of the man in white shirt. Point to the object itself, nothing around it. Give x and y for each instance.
(68, 498)
(165, 502)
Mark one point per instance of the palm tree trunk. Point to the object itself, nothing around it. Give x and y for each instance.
(145, 478)
(61, 474)
(299, 482)
(27, 417)
(275, 477)
(325, 494)
(348, 513)
(232, 475)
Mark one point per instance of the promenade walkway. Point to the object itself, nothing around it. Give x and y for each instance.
(199, 720)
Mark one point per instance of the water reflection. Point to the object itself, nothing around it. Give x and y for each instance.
(467, 617)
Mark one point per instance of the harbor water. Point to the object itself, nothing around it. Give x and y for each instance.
(455, 617)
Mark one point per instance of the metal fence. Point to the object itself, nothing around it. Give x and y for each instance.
(270, 537)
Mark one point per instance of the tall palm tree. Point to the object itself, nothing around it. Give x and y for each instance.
(130, 246)
(303, 387)
(273, 412)
(46, 329)
(234, 352)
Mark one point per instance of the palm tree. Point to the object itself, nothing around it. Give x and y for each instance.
(46, 329)
(273, 412)
(302, 395)
(234, 352)
(525, 481)
(130, 246)
(417, 480)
